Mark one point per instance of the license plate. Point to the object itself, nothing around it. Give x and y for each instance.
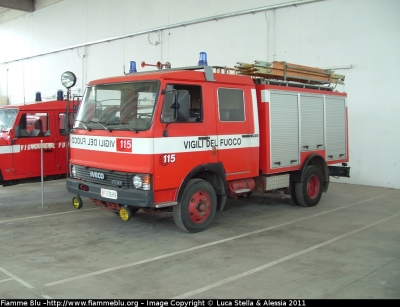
(108, 193)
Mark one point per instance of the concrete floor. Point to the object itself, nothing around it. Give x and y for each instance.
(260, 247)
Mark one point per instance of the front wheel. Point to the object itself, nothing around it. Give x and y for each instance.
(309, 190)
(196, 210)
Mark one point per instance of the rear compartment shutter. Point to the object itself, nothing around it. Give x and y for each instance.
(335, 128)
(312, 122)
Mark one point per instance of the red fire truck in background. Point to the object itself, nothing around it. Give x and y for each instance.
(22, 128)
(185, 139)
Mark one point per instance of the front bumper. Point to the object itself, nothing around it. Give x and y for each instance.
(129, 197)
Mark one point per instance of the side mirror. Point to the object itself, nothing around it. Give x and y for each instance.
(181, 105)
(175, 107)
(17, 132)
(167, 114)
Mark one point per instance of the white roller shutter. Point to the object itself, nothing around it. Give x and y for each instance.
(312, 122)
(335, 128)
(284, 129)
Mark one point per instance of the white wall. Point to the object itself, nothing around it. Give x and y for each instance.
(330, 33)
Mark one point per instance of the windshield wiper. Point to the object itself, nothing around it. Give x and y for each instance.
(105, 127)
(83, 124)
(93, 122)
(130, 128)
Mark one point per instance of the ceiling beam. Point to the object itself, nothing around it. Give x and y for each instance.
(20, 5)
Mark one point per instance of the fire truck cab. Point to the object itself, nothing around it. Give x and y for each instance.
(183, 140)
(23, 130)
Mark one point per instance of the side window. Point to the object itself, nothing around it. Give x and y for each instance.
(230, 105)
(33, 125)
(62, 122)
(195, 105)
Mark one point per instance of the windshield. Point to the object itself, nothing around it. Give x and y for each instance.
(123, 106)
(7, 117)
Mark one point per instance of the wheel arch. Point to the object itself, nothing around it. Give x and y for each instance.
(213, 173)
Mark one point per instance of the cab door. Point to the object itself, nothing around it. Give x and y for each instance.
(188, 143)
(31, 129)
(61, 134)
(235, 129)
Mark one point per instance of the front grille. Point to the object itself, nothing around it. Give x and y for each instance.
(111, 178)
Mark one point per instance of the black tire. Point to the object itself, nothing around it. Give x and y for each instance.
(309, 190)
(196, 210)
(293, 193)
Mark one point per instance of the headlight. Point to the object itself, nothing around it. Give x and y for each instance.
(142, 182)
(137, 182)
(73, 171)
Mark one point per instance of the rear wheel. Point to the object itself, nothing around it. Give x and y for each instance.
(196, 210)
(293, 193)
(309, 190)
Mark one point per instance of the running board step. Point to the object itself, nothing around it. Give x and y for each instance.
(166, 204)
(241, 191)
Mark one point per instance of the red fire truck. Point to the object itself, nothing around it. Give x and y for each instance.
(22, 128)
(185, 139)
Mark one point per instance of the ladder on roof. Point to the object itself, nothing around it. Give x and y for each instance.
(289, 72)
(270, 71)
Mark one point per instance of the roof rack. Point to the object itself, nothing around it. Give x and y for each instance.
(289, 72)
(260, 80)
(277, 73)
(280, 73)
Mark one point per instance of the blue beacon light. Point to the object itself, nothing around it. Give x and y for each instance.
(203, 59)
(60, 95)
(38, 96)
(132, 67)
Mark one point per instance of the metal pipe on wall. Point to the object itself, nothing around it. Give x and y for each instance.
(177, 25)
